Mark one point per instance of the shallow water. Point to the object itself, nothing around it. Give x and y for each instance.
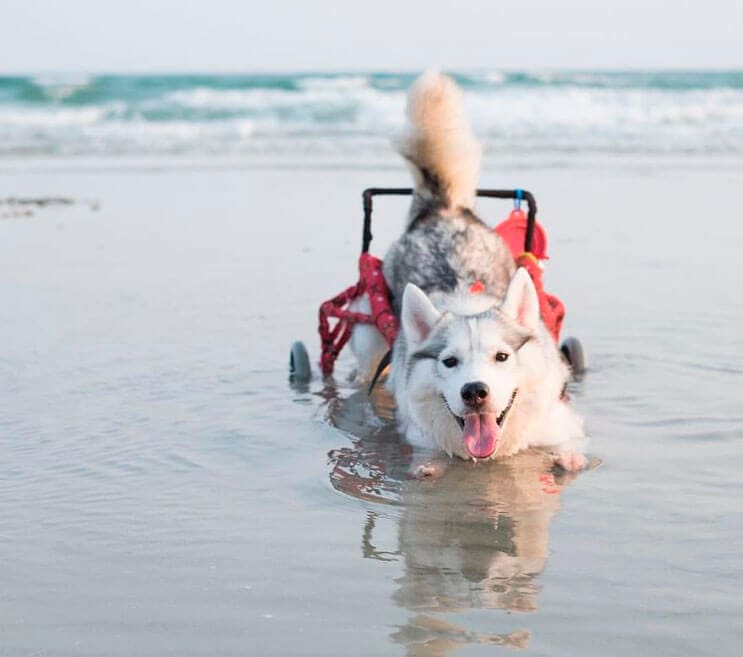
(165, 491)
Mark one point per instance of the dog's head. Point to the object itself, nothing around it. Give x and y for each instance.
(464, 365)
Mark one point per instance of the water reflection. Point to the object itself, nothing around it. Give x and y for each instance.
(476, 538)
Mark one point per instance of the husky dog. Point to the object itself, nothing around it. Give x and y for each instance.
(474, 375)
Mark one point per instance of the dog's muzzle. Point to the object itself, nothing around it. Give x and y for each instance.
(499, 420)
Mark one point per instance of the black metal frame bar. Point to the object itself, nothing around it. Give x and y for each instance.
(521, 194)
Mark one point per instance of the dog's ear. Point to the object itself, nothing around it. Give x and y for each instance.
(418, 314)
(521, 302)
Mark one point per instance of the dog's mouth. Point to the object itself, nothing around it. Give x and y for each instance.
(481, 431)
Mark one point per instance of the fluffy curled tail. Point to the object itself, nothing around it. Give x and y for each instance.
(439, 145)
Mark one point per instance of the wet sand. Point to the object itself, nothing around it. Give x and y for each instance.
(165, 491)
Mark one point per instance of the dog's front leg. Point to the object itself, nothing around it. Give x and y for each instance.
(569, 460)
(367, 343)
(425, 466)
(563, 436)
(569, 455)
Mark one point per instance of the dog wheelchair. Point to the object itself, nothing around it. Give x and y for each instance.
(522, 233)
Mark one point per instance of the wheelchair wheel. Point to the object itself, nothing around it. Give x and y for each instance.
(299, 363)
(576, 356)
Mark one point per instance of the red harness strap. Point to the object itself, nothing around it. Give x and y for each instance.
(513, 232)
(550, 307)
(372, 283)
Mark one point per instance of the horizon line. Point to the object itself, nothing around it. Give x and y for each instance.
(369, 71)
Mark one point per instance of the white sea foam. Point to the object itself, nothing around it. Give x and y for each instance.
(494, 77)
(334, 83)
(350, 114)
(60, 86)
(50, 117)
(216, 99)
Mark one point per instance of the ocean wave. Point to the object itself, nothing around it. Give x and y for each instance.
(56, 117)
(335, 83)
(61, 86)
(540, 111)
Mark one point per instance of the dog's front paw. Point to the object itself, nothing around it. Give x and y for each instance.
(430, 470)
(570, 461)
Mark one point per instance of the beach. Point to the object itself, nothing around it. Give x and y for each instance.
(167, 491)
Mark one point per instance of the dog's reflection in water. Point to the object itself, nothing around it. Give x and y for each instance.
(475, 538)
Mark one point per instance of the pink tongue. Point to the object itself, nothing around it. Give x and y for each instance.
(481, 432)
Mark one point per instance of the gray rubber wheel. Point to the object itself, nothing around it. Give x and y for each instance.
(299, 363)
(576, 356)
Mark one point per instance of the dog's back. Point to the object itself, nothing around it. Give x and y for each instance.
(445, 247)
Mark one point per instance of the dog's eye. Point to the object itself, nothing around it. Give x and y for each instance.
(450, 362)
(501, 356)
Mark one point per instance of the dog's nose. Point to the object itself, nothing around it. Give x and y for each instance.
(474, 394)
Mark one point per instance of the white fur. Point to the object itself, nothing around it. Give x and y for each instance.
(521, 302)
(419, 314)
(538, 417)
(367, 343)
(439, 138)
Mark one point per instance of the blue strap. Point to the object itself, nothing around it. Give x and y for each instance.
(517, 201)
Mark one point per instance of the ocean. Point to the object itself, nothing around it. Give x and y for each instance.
(345, 115)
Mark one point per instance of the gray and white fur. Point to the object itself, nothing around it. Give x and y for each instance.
(496, 338)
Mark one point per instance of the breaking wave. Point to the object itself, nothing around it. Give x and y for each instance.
(357, 114)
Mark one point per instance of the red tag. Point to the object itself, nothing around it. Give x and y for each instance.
(478, 287)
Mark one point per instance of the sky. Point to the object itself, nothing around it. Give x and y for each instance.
(349, 35)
